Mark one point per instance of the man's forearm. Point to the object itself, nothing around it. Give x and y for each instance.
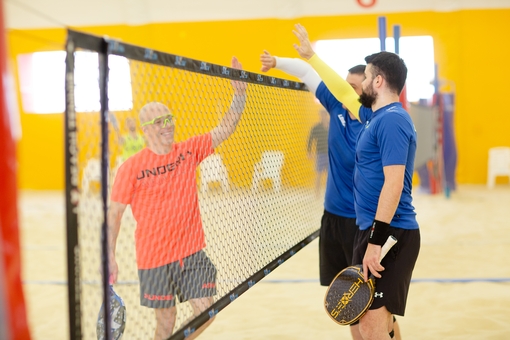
(232, 117)
(390, 192)
(113, 233)
(300, 69)
(238, 102)
(388, 203)
(230, 120)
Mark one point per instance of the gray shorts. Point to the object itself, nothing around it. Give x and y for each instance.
(392, 288)
(192, 278)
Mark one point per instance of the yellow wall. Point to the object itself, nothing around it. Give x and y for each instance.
(469, 47)
(273, 119)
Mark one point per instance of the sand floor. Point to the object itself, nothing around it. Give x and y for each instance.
(460, 289)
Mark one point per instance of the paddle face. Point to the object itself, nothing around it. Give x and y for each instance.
(349, 296)
(118, 317)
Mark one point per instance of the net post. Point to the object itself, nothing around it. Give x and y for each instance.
(103, 98)
(72, 197)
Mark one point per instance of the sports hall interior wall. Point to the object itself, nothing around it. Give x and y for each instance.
(469, 46)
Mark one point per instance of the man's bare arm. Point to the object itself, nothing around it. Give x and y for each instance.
(229, 122)
(115, 213)
(386, 208)
(390, 193)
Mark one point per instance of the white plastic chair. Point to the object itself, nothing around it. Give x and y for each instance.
(499, 164)
(212, 169)
(91, 173)
(269, 167)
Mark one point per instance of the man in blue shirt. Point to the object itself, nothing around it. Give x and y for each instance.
(384, 165)
(338, 225)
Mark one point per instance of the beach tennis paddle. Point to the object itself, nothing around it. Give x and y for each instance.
(117, 316)
(348, 296)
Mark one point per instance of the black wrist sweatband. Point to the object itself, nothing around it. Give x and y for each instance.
(379, 232)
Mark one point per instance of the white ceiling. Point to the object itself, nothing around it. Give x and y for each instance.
(61, 13)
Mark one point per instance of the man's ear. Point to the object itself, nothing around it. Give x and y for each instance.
(379, 80)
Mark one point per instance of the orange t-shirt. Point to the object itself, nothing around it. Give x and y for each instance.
(162, 192)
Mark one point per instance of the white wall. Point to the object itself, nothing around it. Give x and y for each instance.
(58, 13)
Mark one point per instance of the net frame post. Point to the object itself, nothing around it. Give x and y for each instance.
(100, 45)
(72, 196)
(105, 166)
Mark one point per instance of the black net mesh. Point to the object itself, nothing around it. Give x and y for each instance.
(256, 197)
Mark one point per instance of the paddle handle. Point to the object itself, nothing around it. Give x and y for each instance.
(390, 242)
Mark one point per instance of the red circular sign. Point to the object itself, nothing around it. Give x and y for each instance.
(366, 3)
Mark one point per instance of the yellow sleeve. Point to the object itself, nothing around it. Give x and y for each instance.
(340, 88)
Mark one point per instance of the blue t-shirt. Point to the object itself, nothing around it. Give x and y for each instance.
(343, 132)
(388, 138)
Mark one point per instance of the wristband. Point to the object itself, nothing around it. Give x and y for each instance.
(378, 232)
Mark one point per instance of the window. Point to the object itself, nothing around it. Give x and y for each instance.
(417, 52)
(42, 82)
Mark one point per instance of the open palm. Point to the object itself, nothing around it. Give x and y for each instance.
(239, 86)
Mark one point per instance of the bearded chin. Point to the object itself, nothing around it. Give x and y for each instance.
(366, 100)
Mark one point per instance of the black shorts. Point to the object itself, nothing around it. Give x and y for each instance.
(335, 245)
(392, 288)
(193, 277)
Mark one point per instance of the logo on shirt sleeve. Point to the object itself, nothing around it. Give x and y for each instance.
(342, 119)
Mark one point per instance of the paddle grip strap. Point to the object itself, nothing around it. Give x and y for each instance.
(378, 233)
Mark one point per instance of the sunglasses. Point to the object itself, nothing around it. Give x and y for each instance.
(161, 121)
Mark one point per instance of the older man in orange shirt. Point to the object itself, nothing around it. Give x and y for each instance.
(159, 183)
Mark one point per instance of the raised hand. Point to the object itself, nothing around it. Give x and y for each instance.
(239, 86)
(268, 61)
(305, 50)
